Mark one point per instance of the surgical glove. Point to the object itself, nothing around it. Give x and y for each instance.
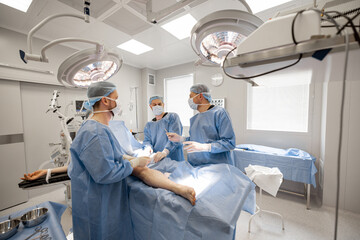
(174, 137)
(191, 146)
(160, 155)
(140, 161)
(128, 157)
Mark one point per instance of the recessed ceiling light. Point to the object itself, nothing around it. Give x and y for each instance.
(261, 5)
(180, 27)
(135, 47)
(22, 5)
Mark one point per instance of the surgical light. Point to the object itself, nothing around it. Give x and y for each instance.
(83, 67)
(87, 66)
(215, 35)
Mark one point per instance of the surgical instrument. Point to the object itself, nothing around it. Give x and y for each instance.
(38, 229)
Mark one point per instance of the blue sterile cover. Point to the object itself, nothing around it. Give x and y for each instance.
(221, 192)
(295, 164)
(52, 222)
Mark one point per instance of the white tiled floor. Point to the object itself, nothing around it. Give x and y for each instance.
(300, 224)
(317, 223)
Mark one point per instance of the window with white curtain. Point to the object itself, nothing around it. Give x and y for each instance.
(176, 94)
(280, 103)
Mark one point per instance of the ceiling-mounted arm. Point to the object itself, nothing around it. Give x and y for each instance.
(29, 55)
(43, 22)
(246, 6)
(155, 17)
(99, 47)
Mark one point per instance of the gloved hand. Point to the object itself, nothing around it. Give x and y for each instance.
(174, 137)
(191, 146)
(160, 155)
(140, 162)
(128, 157)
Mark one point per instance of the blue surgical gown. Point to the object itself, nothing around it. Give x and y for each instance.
(213, 126)
(155, 135)
(100, 205)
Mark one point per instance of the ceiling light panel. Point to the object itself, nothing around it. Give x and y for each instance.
(135, 47)
(180, 27)
(261, 5)
(22, 5)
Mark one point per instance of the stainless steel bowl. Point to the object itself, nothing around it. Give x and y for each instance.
(34, 217)
(8, 228)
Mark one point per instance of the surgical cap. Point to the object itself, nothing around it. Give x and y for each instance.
(155, 97)
(201, 88)
(96, 91)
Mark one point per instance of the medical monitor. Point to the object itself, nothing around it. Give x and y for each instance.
(79, 106)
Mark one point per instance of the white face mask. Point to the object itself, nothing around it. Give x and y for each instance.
(157, 110)
(116, 110)
(192, 104)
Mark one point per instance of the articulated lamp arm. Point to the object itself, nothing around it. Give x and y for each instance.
(25, 56)
(99, 47)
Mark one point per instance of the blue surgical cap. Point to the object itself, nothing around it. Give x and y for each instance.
(155, 97)
(201, 88)
(96, 91)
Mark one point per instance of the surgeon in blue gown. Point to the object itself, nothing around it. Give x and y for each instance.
(211, 132)
(155, 132)
(100, 206)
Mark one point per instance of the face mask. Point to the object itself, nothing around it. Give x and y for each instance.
(192, 104)
(116, 110)
(157, 110)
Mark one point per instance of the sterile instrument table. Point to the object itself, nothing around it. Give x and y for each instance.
(294, 168)
(52, 222)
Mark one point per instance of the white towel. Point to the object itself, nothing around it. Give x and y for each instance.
(269, 179)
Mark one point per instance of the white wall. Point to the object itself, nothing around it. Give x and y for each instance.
(147, 92)
(350, 152)
(128, 77)
(41, 128)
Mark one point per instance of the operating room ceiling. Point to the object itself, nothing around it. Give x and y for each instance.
(114, 22)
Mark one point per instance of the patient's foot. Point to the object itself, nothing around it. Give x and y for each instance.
(188, 193)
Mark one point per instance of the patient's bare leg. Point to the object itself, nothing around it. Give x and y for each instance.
(157, 179)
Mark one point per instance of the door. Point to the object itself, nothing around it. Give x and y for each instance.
(12, 149)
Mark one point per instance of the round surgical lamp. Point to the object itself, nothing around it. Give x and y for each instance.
(83, 67)
(218, 33)
(88, 66)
